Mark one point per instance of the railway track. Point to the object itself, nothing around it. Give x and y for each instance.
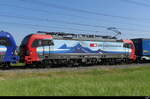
(80, 68)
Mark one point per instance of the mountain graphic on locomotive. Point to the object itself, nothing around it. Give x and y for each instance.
(58, 48)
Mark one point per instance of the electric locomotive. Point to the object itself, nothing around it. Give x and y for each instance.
(74, 49)
(7, 49)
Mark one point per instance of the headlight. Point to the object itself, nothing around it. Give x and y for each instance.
(16, 53)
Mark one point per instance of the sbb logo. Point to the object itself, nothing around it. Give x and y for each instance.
(93, 45)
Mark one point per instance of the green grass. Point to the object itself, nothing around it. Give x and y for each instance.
(102, 82)
(18, 64)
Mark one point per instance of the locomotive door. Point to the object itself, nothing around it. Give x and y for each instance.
(47, 46)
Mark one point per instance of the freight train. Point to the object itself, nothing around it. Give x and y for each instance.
(58, 48)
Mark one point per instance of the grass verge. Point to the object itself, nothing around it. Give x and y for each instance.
(98, 82)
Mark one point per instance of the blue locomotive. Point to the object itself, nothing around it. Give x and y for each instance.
(7, 49)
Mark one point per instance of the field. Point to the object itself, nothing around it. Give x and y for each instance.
(95, 82)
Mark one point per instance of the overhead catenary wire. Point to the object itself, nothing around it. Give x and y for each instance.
(40, 10)
(73, 23)
(50, 20)
(26, 17)
(64, 22)
(81, 10)
(85, 11)
(45, 11)
(59, 28)
(137, 3)
(46, 26)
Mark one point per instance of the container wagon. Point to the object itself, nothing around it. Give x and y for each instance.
(142, 46)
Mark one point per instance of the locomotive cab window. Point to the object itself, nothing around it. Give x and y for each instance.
(25, 41)
(47, 43)
(38, 43)
(126, 45)
(5, 42)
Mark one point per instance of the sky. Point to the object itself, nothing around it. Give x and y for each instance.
(23, 17)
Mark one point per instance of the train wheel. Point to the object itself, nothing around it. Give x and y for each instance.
(69, 65)
(46, 66)
(30, 66)
(6, 65)
(27, 65)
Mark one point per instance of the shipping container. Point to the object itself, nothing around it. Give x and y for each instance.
(142, 48)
